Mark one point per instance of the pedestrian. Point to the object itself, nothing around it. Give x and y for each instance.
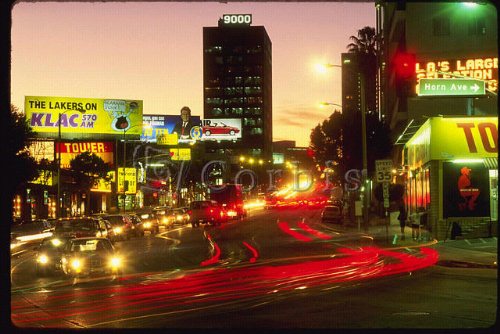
(415, 224)
(403, 215)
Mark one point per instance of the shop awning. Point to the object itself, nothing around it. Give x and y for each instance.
(410, 130)
(491, 163)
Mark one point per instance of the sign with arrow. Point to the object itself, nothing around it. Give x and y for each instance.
(451, 87)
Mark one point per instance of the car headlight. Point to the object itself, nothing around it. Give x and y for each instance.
(179, 217)
(43, 259)
(145, 216)
(147, 225)
(118, 230)
(164, 220)
(76, 264)
(115, 262)
(56, 242)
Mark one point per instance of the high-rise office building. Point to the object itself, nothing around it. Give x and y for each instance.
(237, 82)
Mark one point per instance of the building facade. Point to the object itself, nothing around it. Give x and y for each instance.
(237, 83)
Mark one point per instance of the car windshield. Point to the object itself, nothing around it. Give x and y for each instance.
(73, 225)
(89, 245)
(114, 220)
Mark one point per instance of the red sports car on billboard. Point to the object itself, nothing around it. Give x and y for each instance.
(219, 129)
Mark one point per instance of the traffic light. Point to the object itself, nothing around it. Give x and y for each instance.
(405, 75)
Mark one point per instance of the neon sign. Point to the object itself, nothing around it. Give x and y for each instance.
(485, 69)
(240, 19)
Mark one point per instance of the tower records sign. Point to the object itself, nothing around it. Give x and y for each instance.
(485, 69)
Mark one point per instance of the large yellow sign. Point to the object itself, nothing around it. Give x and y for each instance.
(443, 138)
(83, 115)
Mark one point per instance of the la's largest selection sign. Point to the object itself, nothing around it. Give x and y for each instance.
(83, 115)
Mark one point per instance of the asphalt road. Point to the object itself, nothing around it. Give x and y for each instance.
(274, 269)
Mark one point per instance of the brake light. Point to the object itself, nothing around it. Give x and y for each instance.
(190, 212)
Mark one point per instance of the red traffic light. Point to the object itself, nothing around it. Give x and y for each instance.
(404, 65)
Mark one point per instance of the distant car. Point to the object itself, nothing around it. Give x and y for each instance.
(332, 213)
(149, 220)
(163, 213)
(85, 256)
(31, 229)
(137, 222)
(219, 129)
(122, 225)
(206, 212)
(180, 216)
(80, 227)
(48, 255)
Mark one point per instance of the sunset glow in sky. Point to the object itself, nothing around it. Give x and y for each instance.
(154, 52)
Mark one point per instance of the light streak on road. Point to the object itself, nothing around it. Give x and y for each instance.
(254, 252)
(286, 228)
(312, 231)
(218, 285)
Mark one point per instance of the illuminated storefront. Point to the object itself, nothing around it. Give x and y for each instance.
(452, 172)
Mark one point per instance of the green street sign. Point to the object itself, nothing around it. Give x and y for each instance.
(451, 87)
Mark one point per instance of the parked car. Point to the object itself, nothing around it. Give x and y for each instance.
(149, 220)
(81, 227)
(122, 225)
(219, 129)
(332, 213)
(85, 256)
(206, 212)
(137, 222)
(48, 255)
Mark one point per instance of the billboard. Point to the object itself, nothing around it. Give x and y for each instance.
(163, 125)
(69, 150)
(130, 178)
(221, 129)
(85, 116)
(466, 190)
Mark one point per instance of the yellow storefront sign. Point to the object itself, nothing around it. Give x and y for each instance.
(441, 138)
(131, 177)
(84, 115)
(104, 185)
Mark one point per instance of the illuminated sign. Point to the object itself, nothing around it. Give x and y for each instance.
(69, 150)
(45, 178)
(83, 115)
(451, 87)
(104, 185)
(485, 69)
(41, 149)
(221, 129)
(131, 177)
(278, 158)
(167, 139)
(442, 138)
(180, 154)
(237, 19)
(163, 125)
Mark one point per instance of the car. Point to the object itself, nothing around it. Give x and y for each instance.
(48, 255)
(219, 129)
(149, 220)
(32, 230)
(163, 214)
(206, 212)
(179, 216)
(80, 227)
(85, 256)
(137, 222)
(332, 213)
(122, 225)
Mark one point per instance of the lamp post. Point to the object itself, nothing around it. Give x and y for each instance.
(58, 200)
(322, 68)
(125, 160)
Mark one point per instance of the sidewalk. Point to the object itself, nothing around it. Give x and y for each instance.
(474, 253)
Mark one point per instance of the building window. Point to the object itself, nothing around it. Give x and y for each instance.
(214, 49)
(248, 121)
(216, 111)
(237, 111)
(441, 26)
(256, 131)
(215, 101)
(477, 26)
(253, 90)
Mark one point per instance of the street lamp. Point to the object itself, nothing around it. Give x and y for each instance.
(322, 68)
(58, 200)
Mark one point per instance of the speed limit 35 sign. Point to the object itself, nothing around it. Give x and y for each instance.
(383, 170)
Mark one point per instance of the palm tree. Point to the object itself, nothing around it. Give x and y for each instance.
(365, 43)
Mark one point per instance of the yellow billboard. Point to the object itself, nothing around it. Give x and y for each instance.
(104, 185)
(84, 115)
(180, 154)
